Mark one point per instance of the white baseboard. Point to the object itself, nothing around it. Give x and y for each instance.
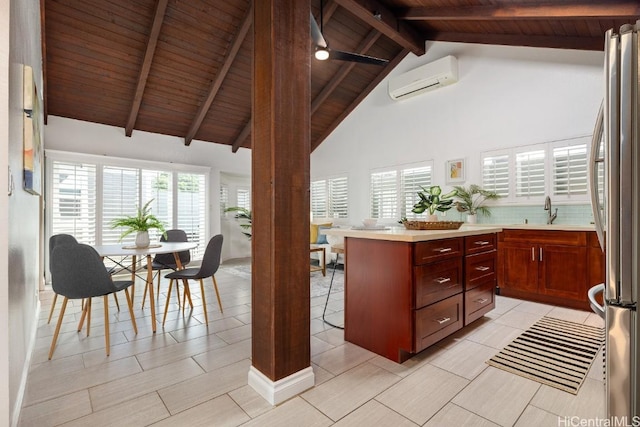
(25, 368)
(276, 392)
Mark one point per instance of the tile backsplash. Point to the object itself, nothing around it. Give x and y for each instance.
(567, 214)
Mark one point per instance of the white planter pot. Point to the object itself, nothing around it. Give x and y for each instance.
(142, 239)
(472, 219)
(432, 218)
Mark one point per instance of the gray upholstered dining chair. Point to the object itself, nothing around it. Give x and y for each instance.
(62, 239)
(77, 272)
(168, 261)
(208, 268)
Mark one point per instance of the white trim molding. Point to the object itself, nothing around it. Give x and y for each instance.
(276, 392)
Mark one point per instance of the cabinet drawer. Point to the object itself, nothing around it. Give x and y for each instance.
(480, 268)
(481, 243)
(479, 301)
(437, 281)
(436, 321)
(436, 250)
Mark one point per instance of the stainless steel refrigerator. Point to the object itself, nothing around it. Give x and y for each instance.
(615, 192)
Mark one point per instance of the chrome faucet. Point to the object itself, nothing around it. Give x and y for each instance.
(547, 207)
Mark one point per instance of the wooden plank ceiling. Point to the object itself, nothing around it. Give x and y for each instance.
(183, 67)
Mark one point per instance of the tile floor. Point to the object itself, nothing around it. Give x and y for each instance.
(191, 375)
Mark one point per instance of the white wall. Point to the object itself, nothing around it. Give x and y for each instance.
(505, 97)
(20, 223)
(90, 138)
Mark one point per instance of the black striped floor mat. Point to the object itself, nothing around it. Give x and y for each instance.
(555, 352)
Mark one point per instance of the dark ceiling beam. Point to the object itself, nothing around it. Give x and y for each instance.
(385, 71)
(344, 71)
(586, 9)
(158, 18)
(384, 20)
(241, 137)
(217, 82)
(557, 42)
(43, 46)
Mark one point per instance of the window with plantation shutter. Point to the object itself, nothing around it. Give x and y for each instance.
(319, 198)
(570, 170)
(120, 197)
(243, 196)
(191, 210)
(86, 193)
(73, 200)
(338, 197)
(329, 198)
(530, 168)
(384, 195)
(413, 180)
(495, 174)
(224, 199)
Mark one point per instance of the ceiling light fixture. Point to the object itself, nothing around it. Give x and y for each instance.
(321, 54)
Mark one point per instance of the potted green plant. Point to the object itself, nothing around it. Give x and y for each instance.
(432, 200)
(472, 200)
(140, 223)
(242, 214)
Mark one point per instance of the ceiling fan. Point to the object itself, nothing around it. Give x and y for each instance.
(323, 51)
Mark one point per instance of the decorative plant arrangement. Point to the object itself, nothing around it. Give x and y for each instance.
(244, 214)
(141, 223)
(431, 201)
(472, 200)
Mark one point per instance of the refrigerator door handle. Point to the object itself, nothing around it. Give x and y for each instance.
(595, 160)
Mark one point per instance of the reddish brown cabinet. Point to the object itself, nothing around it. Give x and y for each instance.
(402, 297)
(550, 266)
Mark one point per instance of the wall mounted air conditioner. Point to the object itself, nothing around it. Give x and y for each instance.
(433, 75)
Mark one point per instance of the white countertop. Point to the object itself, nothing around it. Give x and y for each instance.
(400, 234)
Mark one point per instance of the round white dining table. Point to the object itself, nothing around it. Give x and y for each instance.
(134, 252)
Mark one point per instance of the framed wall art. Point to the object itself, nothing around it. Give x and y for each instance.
(455, 171)
(32, 141)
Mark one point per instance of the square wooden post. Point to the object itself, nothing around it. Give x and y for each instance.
(281, 363)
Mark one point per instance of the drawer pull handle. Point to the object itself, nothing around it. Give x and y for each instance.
(442, 280)
(442, 250)
(443, 320)
(482, 300)
(482, 268)
(482, 243)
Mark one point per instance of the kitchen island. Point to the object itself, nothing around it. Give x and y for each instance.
(406, 289)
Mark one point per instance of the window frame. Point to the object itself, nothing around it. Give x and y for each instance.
(325, 184)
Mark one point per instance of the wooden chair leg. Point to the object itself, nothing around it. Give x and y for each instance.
(204, 303)
(115, 297)
(215, 286)
(84, 315)
(88, 303)
(105, 298)
(53, 306)
(166, 304)
(144, 296)
(187, 293)
(57, 331)
(158, 287)
(130, 303)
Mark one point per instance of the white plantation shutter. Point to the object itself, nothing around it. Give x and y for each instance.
(157, 186)
(338, 198)
(495, 174)
(411, 181)
(319, 198)
(530, 168)
(570, 170)
(119, 198)
(384, 195)
(73, 200)
(244, 198)
(191, 210)
(224, 199)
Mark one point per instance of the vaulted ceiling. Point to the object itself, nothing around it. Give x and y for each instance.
(183, 67)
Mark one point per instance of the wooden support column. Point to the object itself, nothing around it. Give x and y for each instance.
(281, 362)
